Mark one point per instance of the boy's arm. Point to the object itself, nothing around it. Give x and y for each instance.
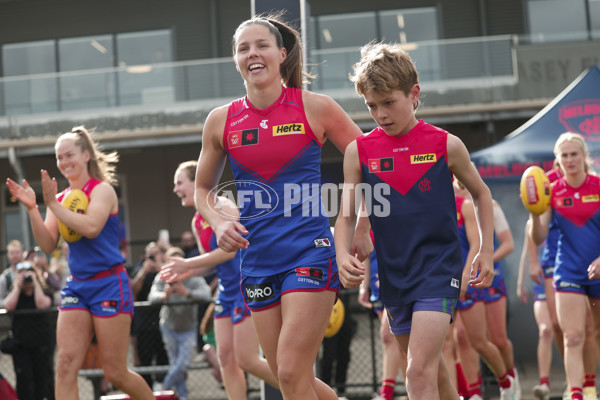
(459, 163)
(350, 268)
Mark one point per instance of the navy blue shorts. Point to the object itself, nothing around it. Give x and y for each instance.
(400, 317)
(107, 294)
(261, 293)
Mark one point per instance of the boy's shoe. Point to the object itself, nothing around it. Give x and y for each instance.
(476, 397)
(541, 392)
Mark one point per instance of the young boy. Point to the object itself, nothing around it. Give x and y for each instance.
(406, 167)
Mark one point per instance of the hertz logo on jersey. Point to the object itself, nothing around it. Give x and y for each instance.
(288, 129)
(423, 158)
(590, 198)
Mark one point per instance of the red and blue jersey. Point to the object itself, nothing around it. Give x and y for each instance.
(577, 217)
(412, 213)
(88, 257)
(227, 272)
(276, 163)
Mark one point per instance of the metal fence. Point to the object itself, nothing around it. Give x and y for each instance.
(357, 345)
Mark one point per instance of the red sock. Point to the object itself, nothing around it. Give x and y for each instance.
(576, 393)
(461, 381)
(503, 381)
(546, 380)
(387, 389)
(590, 380)
(511, 372)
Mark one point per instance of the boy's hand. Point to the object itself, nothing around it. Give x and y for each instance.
(351, 272)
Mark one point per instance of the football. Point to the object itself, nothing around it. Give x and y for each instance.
(535, 190)
(75, 201)
(336, 320)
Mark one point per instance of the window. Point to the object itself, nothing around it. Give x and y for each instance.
(557, 20)
(31, 94)
(85, 89)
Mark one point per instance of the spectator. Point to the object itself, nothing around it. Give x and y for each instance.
(178, 323)
(189, 245)
(14, 253)
(40, 260)
(145, 330)
(33, 348)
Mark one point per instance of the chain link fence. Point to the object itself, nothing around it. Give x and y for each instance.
(350, 361)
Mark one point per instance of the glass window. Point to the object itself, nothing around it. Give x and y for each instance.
(29, 94)
(595, 18)
(85, 53)
(557, 20)
(412, 25)
(86, 89)
(346, 30)
(141, 82)
(138, 48)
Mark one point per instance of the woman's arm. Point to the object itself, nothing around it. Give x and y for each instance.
(210, 167)
(503, 233)
(328, 120)
(45, 232)
(459, 163)
(103, 202)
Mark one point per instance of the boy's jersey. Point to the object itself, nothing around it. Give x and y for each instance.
(276, 163)
(576, 214)
(413, 213)
(229, 271)
(87, 257)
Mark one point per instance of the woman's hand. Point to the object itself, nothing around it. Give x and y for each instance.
(594, 269)
(49, 188)
(24, 194)
(175, 270)
(229, 238)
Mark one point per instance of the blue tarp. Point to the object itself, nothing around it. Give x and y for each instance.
(576, 109)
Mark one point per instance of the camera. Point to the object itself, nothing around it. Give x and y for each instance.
(28, 279)
(151, 257)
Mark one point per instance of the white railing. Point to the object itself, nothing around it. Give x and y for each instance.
(464, 63)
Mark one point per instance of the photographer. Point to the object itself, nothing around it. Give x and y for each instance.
(33, 338)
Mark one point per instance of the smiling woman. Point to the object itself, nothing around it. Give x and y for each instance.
(273, 138)
(95, 263)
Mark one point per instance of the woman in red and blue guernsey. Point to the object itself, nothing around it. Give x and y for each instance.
(575, 210)
(272, 138)
(237, 344)
(97, 298)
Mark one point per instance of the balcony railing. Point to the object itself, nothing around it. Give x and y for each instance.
(463, 63)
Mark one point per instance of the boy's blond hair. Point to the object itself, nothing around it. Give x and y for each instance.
(384, 68)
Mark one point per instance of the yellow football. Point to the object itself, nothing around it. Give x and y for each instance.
(75, 201)
(535, 190)
(336, 320)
